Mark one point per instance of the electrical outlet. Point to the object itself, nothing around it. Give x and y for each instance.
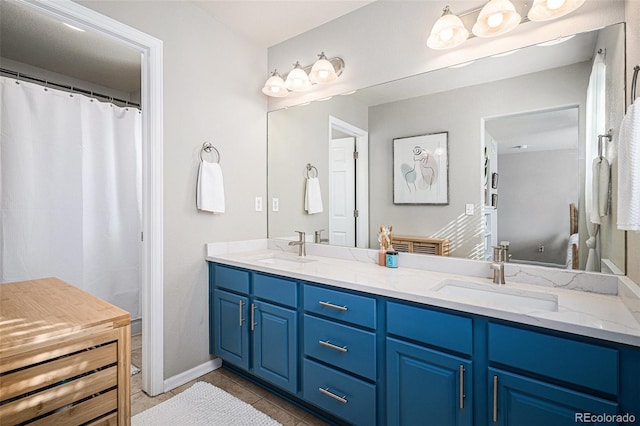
(468, 209)
(275, 204)
(258, 204)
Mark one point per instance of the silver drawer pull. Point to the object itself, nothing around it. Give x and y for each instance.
(330, 345)
(332, 306)
(326, 391)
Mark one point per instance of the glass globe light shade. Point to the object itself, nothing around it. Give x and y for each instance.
(274, 86)
(322, 71)
(546, 10)
(447, 32)
(297, 79)
(496, 17)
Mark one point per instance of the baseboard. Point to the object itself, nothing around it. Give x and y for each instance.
(192, 374)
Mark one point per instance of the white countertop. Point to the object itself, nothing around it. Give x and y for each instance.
(595, 315)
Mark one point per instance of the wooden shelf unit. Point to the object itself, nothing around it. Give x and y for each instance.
(64, 356)
(420, 245)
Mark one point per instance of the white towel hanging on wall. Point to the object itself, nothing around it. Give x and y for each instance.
(313, 196)
(629, 170)
(210, 188)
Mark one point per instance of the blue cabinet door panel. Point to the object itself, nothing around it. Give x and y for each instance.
(574, 362)
(424, 386)
(231, 337)
(275, 345)
(341, 395)
(354, 351)
(521, 401)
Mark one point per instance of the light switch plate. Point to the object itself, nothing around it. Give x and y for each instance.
(468, 209)
(258, 204)
(275, 204)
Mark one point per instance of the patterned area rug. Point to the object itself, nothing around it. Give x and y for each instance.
(203, 404)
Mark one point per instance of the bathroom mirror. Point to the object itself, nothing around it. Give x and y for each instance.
(534, 97)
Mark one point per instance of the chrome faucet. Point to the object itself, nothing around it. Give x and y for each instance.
(302, 249)
(497, 265)
(318, 237)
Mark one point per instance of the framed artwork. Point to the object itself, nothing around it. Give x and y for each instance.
(421, 169)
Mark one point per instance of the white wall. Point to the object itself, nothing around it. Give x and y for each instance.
(460, 113)
(632, 8)
(212, 82)
(386, 40)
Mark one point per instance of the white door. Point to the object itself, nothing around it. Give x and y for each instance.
(342, 202)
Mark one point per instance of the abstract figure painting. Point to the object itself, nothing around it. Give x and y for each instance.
(421, 169)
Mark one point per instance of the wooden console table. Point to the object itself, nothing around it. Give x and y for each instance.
(64, 356)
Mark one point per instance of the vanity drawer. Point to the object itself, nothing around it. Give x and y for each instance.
(275, 289)
(583, 364)
(434, 328)
(348, 348)
(232, 279)
(339, 394)
(340, 305)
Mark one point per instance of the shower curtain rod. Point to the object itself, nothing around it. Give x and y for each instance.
(73, 89)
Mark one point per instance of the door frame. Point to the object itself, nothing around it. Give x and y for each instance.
(362, 175)
(152, 284)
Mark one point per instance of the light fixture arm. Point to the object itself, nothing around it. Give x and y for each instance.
(338, 65)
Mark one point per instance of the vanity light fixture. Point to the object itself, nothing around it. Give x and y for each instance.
(447, 32)
(275, 86)
(545, 10)
(496, 17)
(301, 79)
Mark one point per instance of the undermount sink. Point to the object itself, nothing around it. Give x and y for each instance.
(502, 296)
(284, 260)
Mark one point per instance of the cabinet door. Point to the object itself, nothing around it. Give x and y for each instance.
(231, 334)
(517, 400)
(275, 343)
(424, 385)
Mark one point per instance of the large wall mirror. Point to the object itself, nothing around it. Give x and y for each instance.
(523, 162)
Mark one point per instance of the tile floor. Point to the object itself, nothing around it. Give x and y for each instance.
(275, 407)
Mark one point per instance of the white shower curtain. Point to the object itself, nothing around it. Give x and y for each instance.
(70, 182)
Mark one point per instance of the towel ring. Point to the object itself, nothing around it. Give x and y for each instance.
(311, 170)
(634, 81)
(208, 147)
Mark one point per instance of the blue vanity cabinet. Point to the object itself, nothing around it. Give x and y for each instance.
(427, 383)
(340, 354)
(536, 378)
(254, 325)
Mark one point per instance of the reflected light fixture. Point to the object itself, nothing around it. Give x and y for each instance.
(545, 10)
(301, 79)
(447, 32)
(556, 41)
(496, 17)
(274, 86)
(297, 79)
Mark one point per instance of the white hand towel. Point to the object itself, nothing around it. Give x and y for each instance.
(210, 188)
(600, 193)
(313, 197)
(629, 170)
